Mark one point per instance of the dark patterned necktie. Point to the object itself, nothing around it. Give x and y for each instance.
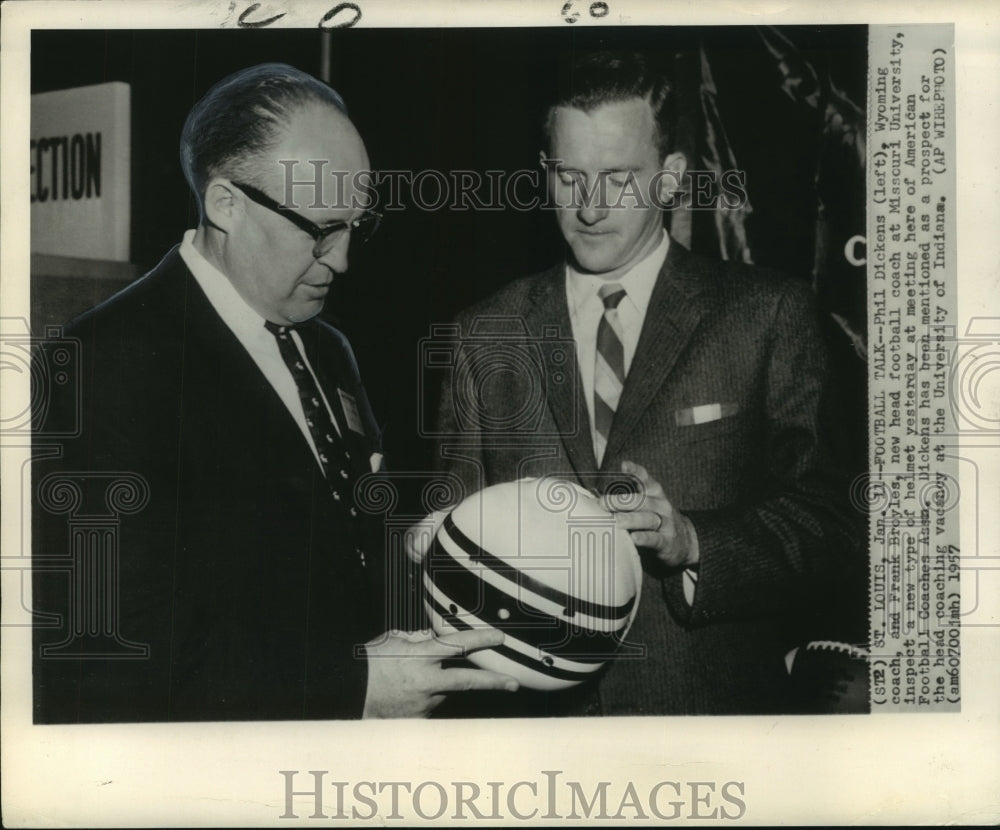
(609, 369)
(333, 455)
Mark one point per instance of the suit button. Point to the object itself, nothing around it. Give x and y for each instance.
(354, 512)
(343, 473)
(336, 496)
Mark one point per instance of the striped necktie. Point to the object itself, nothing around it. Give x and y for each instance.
(609, 370)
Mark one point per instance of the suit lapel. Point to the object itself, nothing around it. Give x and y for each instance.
(548, 310)
(676, 306)
(242, 384)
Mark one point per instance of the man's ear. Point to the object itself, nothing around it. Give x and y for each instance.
(221, 204)
(543, 159)
(674, 167)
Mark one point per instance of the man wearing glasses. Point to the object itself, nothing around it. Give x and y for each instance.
(247, 581)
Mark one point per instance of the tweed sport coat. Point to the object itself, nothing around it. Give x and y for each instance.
(775, 529)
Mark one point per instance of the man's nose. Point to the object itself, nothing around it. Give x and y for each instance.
(333, 254)
(591, 214)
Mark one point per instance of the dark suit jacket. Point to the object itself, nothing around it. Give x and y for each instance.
(771, 511)
(239, 575)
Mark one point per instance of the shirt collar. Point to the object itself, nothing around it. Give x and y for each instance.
(225, 299)
(638, 281)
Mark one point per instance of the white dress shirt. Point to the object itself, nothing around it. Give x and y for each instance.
(248, 326)
(585, 311)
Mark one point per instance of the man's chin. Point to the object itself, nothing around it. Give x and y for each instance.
(305, 311)
(590, 262)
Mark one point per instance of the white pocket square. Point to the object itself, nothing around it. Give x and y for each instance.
(704, 414)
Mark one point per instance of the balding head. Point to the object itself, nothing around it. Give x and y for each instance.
(241, 120)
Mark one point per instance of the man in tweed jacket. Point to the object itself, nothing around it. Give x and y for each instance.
(745, 521)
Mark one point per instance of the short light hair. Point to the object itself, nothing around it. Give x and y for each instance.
(590, 80)
(242, 117)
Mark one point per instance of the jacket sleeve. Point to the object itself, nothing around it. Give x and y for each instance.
(457, 432)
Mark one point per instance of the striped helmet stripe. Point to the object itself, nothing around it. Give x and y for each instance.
(570, 603)
(531, 652)
(532, 663)
(445, 554)
(523, 620)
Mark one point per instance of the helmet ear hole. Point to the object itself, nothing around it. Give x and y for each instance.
(544, 562)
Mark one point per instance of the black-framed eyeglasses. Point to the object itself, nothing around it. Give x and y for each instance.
(324, 236)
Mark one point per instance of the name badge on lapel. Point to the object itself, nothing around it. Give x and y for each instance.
(351, 413)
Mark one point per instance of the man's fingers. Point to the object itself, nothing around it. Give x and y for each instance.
(648, 539)
(641, 520)
(466, 642)
(419, 636)
(649, 490)
(636, 469)
(466, 680)
(652, 486)
(622, 502)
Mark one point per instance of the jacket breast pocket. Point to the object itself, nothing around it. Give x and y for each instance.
(708, 462)
(692, 433)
